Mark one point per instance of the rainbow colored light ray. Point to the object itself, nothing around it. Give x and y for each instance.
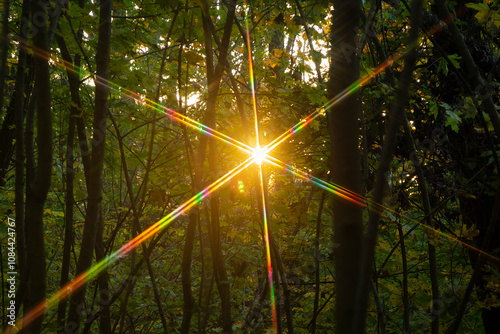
(328, 186)
(187, 121)
(94, 271)
(369, 204)
(322, 111)
(178, 117)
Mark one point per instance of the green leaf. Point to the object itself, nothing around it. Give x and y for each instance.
(316, 56)
(454, 59)
(433, 108)
(488, 121)
(443, 66)
(478, 6)
(483, 16)
(469, 109)
(452, 119)
(483, 11)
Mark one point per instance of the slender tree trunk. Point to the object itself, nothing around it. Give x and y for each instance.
(396, 114)
(283, 280)
(21, 93)
(433, 272)
(68, 220)
(20, 156)
(97, 161)
(214, 76)
(317, 287)
(406, 304)
(222, 279)
(8, 131)
(74, 83)
(406, 311)
(37, 189)
(380, 308)
(5, 48)
(103, 283)
(188, 299)
(343, 128)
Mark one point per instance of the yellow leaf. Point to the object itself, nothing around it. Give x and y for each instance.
(278, 53)
(483, 16)
(463, 193)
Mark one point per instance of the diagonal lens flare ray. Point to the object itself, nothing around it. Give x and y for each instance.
(187, 120)
(322, 111)
(175, 115)
(328, 186)
(94, 271)
(349, 90)
(371, 205)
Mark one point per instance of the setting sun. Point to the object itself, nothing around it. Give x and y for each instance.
(259, 155)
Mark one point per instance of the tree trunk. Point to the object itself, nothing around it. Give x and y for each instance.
(103, 283)
(188, 299)
(97, 162)
(396, 114)
(37, 190)
(5, 48)
(68, 220)
(20, 157)
(214, 76)
(74, 83)
(345, 167)
(317, 282)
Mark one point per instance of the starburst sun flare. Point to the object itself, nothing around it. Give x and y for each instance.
(259, 155)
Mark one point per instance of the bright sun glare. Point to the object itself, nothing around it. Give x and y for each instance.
(259, 155)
